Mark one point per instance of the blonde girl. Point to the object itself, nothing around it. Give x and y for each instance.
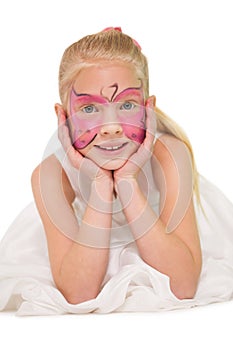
(119, 199)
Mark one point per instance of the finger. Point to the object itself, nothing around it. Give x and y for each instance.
(74, 155)
(151, 127)
(64, 136)
(63, 132)
(89, 168)
(141, 156)
(61, 118)
(61, 125)
(145, 150)
(151, 123)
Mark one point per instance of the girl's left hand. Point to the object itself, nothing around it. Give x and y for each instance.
(133, 165)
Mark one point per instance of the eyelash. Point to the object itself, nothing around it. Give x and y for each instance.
(84, 109)
(132, 105)
(95, 109)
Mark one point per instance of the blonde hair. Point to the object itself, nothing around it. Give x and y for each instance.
(113, 45)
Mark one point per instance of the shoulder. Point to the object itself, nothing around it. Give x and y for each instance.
(50, 166)
(172, 167)
(173, 156)
(49, 176)
(169, 148)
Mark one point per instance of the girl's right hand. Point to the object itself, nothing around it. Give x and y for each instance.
(87, 166)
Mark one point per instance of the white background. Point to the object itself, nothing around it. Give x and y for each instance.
(189, 48)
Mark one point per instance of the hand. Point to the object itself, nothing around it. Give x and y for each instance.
(133, 165)
(88, 167)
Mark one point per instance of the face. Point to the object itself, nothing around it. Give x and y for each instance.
(106, 114)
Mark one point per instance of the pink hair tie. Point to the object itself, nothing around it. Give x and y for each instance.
(111, 28)
(120, 30)
(136, 43)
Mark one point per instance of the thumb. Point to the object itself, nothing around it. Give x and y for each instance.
(151, 122)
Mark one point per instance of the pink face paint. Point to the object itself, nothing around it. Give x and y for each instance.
(132, 121)
(88, 115)
(85, 126)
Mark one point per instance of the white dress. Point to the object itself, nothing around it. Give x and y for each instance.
(27, 286)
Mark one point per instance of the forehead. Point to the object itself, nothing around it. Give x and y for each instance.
(93, 79)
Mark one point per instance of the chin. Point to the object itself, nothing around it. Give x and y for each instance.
(113, 164)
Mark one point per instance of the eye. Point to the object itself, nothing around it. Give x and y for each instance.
(127, 105)
(89, 109)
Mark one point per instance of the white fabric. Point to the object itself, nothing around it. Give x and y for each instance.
(26, 282)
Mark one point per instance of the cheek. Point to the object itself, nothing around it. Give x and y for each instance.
(81, 141)
(83, 131)
(134, 126)
(133, 132)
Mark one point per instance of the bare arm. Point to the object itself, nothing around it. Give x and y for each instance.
(176, 254)
(78, 255)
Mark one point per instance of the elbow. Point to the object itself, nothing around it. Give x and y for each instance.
(184, 294)
(186, 286)
(184, 291)
(78, 298)
(79, 294)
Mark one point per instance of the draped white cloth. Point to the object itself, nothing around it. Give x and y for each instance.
(27, 286)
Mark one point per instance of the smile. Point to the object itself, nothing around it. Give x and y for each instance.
(111, 148)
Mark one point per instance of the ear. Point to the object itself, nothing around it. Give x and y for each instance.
(59, 110)
(151, 101)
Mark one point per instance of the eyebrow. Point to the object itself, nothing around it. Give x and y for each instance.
(84, 98)
(87, 98)
(130, 92)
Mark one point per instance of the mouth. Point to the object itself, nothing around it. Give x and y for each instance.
(111, 148)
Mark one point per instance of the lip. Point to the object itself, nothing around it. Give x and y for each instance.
(111, 147)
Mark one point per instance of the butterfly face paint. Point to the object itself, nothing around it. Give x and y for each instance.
(90, 112)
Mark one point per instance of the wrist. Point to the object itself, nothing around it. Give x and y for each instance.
(104, 183)
(101, 196)
(121, 182)
(126, 188)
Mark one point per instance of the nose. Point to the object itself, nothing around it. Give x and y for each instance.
(111, 126)
(111, 129)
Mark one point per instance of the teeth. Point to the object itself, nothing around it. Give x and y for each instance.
(113, 148)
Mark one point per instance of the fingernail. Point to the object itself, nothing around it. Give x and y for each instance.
(150, 102)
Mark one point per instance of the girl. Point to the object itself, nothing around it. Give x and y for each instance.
(123, 221)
